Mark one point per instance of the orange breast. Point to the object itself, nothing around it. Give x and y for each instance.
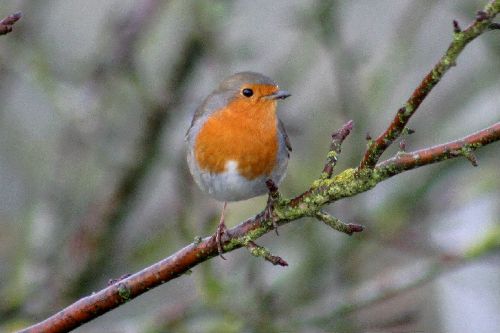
(243, 132)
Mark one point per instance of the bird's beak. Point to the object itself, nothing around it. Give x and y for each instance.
(280, 94)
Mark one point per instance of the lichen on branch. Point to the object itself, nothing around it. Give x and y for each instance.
(327, 189)
(461, 38)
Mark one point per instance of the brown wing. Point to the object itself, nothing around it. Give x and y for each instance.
(285, 136)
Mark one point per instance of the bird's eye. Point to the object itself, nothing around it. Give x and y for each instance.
(247, 92)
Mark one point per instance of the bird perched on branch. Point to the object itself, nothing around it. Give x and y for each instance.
(236, 141)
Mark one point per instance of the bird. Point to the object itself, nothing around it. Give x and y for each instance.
(236, 142)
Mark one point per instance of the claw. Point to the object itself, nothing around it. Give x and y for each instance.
(268, 214)
(221, 229)
(271, 199)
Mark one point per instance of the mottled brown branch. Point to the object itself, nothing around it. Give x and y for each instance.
(463, 147)
(126, 289)
(337, 139)
(7, 23)
(460, 39)
(323, 191)
(349, 183)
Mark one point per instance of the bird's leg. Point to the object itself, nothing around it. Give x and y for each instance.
(221, 229)
(271, 199)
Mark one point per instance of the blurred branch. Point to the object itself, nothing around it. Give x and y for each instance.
(325, 190)
(130, 28)
(348, 183)
(7, 23)
(461, 38)
(389, 285)
(96, 230)
(395, 283)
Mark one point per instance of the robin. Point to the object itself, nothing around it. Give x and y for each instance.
(236, 141)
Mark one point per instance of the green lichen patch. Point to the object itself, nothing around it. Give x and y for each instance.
(124, 292)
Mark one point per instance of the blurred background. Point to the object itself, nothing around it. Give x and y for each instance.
(96, 97)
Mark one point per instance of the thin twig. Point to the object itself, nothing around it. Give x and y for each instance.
(338, 225)
(335, 147)
(403, 115)
(7, 23)
(260, 251)
(462, 147)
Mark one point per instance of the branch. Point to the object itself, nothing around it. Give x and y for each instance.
(460, 39)
(129, 30)
(93, 238)
(337, 139)
(323, 191)
(338, 225)
(259, 251)
(387, 286)
(7, 23)
(463, 147)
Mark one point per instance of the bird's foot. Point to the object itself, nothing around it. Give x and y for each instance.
(271, 200)
(221, 229)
